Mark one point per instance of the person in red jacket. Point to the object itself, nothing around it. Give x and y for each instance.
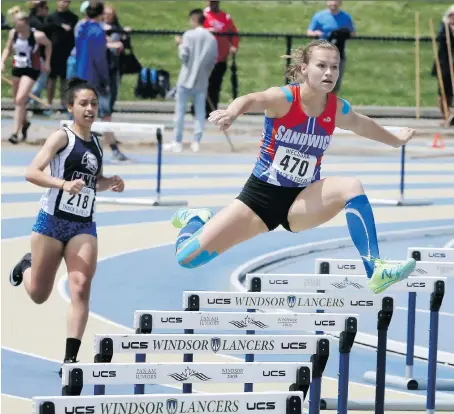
(218, 21)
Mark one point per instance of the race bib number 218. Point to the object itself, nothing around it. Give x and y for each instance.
(79, 204)
(294, 165)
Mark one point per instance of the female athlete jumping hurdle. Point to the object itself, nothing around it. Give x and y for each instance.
(285, 187)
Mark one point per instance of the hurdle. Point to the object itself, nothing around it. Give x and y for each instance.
(135, 128)
(304, 282)
(418, 281)
(433, 285)
(402, 201)
(309, 302)
(281, 402)
(146, 321)
(75, 376)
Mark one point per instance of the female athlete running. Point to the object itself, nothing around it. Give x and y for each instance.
(65, 226)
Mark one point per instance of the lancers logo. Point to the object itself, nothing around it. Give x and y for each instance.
(215, 344)
(345, 283)
(248, 321)
(291, 301)
(188, 373)
(171, 405)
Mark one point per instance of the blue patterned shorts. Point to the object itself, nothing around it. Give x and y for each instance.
(60, 229)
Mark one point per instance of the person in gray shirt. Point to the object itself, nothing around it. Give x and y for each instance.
(198, 51)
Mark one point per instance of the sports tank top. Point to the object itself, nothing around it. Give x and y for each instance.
(26, 52)
(78, 159)
(292, 146)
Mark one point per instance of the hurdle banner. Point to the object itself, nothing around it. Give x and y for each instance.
(432, 254)
(296, 302)
(240, 321)
(281, 402)
(107, 345)
(135, 128)
(75, 376)
(281, 282)
(356, 267)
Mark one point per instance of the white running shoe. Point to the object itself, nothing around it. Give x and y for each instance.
(173, 146)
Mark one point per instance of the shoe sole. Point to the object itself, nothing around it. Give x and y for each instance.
(11, 279)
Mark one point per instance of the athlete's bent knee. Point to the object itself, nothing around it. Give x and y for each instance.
(352, 187)
(39, 297)
(192, 255)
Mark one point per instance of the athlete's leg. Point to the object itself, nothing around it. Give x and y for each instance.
(24, 88)
(202, 238)
(80, 254)
(324, 199)
(38, 271)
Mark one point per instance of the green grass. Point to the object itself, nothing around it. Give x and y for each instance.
(377, 73)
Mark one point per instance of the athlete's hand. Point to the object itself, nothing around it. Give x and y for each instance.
(3, 67)
(74, 187)
(221, 118)
(404, 135)
(45, 67)
(117, 184)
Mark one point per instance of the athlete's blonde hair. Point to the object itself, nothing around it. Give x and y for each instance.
(302, 56)
(15, 13)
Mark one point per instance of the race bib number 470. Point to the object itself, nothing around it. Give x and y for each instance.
(294, 165)
(79, 204)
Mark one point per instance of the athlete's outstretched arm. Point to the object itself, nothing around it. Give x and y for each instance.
(271, 101)
(347, 118)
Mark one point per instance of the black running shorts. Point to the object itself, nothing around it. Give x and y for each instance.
(270, 202)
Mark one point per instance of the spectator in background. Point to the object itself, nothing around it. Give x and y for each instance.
(92, 65)
(62, 44)
(218, 21)
(336, 26)
(71, 71)
(115, 46)
(197, 50)
(443, 57)
(38, 19)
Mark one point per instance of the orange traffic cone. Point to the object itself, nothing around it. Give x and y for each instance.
(438, 141)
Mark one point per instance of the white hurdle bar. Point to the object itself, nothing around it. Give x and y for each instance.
(240, 321)
(75, 376)
(135, 128)
(296, 302)
(284, 282)
(203, 344)
(279, 402)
